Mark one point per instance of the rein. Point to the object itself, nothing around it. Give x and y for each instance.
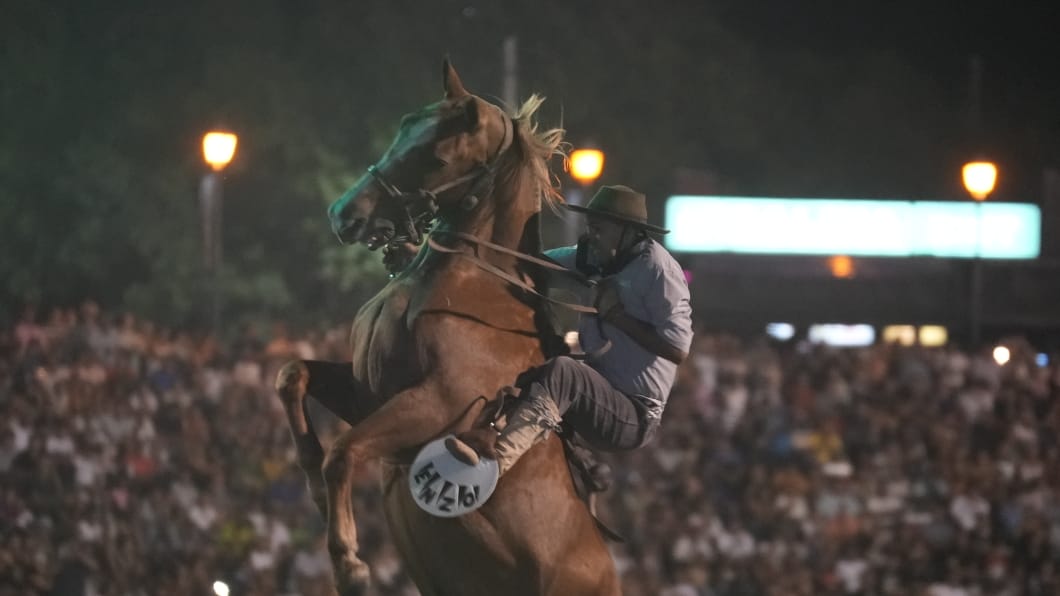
(515, 281)
(508, 277)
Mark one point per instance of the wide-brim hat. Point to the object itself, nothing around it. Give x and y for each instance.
(621, 204)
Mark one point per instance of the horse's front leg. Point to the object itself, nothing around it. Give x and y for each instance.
(410, 418)
(334, 386)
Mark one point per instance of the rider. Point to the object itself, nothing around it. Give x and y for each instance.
(614, 399)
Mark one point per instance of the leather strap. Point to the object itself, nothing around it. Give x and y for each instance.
(515, 281)
(508, 277)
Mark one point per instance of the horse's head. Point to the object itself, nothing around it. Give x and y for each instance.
(442, 160)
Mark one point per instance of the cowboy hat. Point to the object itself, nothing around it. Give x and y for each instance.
(621, 204)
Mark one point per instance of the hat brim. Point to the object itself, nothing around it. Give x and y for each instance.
(604, 214)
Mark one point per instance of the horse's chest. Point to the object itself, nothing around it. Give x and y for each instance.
(383, 349)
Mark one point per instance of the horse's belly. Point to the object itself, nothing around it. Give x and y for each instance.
(448, 556)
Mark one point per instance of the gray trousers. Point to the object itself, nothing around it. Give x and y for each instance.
(604, 417)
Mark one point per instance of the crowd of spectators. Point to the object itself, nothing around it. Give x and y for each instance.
(808, 470)
(141, 460)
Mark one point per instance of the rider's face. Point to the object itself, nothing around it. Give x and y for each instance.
(605, 239)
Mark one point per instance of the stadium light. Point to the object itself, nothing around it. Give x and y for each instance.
(1002, 355)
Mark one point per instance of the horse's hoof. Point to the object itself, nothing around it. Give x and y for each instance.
(461, 451)
(292, 380)
(352, 577)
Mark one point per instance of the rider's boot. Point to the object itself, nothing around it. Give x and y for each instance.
(527, 424)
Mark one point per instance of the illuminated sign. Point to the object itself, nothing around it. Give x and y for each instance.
(846, 336)
(853, 227)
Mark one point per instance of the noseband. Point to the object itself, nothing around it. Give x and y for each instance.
(416, 210)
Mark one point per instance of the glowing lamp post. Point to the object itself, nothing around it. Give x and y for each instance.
(218, 149)
(585, 167)
(979, 179)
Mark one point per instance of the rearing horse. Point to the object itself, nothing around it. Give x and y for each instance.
(435, 339)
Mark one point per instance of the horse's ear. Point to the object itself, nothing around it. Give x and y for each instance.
(471, 114)
(454, 89)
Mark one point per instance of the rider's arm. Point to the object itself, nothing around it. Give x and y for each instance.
(644, 334)
(666, 331)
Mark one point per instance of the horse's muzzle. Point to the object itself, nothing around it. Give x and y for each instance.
(349, 232)
(378, 234)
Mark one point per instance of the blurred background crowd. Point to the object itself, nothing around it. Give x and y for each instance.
(136, 459)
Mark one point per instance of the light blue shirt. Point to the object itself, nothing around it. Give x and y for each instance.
(652, 288)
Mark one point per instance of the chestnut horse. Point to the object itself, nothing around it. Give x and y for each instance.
(439, 336)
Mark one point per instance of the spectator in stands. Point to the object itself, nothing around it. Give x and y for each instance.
(137, 459)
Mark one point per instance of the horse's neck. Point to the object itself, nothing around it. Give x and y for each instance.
(511, 218)
(531, 241)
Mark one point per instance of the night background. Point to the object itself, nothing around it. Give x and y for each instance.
(104, 107)
(952, 478)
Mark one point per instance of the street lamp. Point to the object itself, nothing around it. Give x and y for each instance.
(585, 167)
(218, 149)
(979, 178)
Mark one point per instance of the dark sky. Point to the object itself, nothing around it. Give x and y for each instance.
(119, 91)
(1018, 42)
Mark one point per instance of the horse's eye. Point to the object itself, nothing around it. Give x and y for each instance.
(439, 162)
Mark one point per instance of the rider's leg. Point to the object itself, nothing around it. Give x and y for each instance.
(567, 389)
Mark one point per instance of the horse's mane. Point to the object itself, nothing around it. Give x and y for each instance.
(538, 147)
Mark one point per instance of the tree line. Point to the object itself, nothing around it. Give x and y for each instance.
(105, 105)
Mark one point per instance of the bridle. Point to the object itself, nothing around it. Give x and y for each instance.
(413, 212)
